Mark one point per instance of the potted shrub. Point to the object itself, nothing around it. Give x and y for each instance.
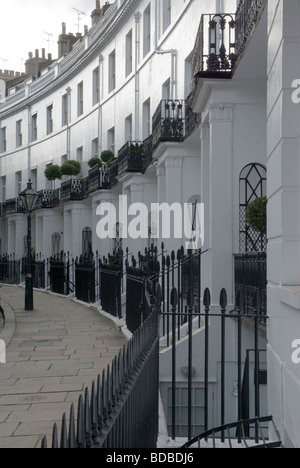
(256, 215)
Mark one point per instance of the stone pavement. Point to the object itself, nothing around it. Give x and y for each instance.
(55, 351)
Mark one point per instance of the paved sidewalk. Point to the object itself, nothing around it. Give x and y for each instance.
(55, 352)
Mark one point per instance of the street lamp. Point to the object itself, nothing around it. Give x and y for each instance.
(29, 198)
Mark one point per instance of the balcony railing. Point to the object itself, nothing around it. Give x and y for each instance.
(135, 156)
(113, 173)
(14, 205)
(98, 178)
(48, 198)
(222, 38)
(247, 15)
(173, 121)
(74, 189)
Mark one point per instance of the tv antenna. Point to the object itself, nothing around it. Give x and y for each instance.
(48, 39)
(3, 62)
(79, 13)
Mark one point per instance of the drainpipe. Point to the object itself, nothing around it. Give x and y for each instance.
(68, 124)
(100, 106)
(137, 17)
(29, 141)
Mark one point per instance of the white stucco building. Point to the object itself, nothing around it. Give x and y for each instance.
(142, 65)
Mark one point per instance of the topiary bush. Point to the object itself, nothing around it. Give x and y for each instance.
(256, 215)
(94, 162)
(53, 172)
(71, 168)
(107, 156)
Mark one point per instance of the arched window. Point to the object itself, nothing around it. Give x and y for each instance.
(87, 247)
(56, 244)
(253, 185)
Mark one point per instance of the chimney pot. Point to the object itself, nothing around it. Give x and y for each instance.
(43, 53)
(98, 4)
(36, 53)
(64, 28)
(86, 29)
(49, 56)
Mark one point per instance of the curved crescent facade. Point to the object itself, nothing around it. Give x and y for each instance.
(111, 89)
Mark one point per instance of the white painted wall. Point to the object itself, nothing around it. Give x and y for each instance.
(283, 213)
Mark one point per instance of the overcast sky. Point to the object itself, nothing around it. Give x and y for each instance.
(23, 24)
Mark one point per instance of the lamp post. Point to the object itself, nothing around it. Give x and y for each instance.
(29, 198)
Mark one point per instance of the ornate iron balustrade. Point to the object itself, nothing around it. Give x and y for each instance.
(98, 178)
(168, 121)
(222, 38)
(48, 198)
(247, 15)
(214, 50)
(113, 173)
(74, 189)
(14, 205)
(135, 156)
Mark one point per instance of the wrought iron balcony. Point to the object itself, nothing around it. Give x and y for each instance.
(14, 205)
(98, 178)
(48, 198)
(74, 189)
(173, 121)
(222, 38)
(135, 156)
(247, 16)
(113, 174)
(168, 122)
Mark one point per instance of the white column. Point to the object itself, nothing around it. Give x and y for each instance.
(19, 236)
(221, 216)
(11, 248)
(76, 232)
(47, 236)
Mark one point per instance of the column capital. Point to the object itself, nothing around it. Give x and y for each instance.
(173, 162)
(220, 113)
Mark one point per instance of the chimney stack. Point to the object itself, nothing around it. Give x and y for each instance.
(97, 13)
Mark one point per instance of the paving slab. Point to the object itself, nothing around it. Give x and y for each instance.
(53, 353)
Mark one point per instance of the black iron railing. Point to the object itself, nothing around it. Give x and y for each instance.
(222, 38)
(74, 189)
(113, 172)
(168, 122)
(135, 156)
(48, 198)
(14, 205)
(121, 411)
(247, 15)
(173, 121)
(10, 270)
(98, 178)
(230, 431)
(251, 281)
